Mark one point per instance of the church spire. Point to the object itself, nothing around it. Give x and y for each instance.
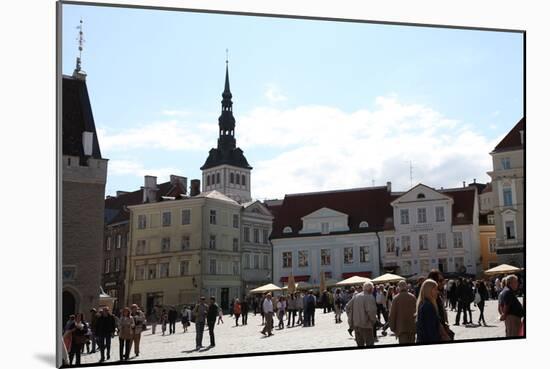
(226, 121)
(78, 72)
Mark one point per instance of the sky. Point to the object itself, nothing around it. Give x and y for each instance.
(318, 105)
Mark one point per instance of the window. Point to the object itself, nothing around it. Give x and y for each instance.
(256, 235)
(186, 216)
(265, 236)
(212, 243)
(505, 162)
(390, 244)
(232, 178)
(507, 196)
(424, 266)
(441, 241)
(325, 256)
(324, 228)
(256, 261)
(492, 245)
(420, 196)
(457, 240)
(107, 266)
(212, 216)
(459, 264)
(213, 266)
(490, 219)
(141, 246)
(185, 242)
(119, 241)
(421, 215)
(152, 271)
(442, 265)
(165, 244)
(303, 258)
(164, 270)
(364, 254)
(208, 180)
(510, 230)
(236, 268)
(235, 244)
(423, 242)
(246, 261)
(406, 267)
(439, 214)
(140, 273)
(243, 180)
(348, 255)
(405, 243)
(246, 231)
(142, 221)
(265, 262)
(166, 218)
(108, 243)
(117, 264)
(217, 177)
(287, 259)
(404, 216)
(235, 220)
(238, 179)
(363, 224)
(287, 229)
(184, 267)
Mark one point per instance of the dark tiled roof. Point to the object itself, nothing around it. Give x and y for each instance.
(362, 204)
(234, 157)
(488, 188)
(77, 117)
(512, 140)
(115, 206)
(483, 218)
(464, 199)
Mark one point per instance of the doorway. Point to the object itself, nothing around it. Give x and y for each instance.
(224, 299)
(68, 306)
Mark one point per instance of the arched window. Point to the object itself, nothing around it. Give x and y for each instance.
(208, 180)
(363, 224)
(232, 178)
(460, 215)
(217, 177)
(238, 179)
(420, 196)
(287, 229)
(243, 180)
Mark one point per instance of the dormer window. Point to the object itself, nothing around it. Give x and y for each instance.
(363, 224)
(324, 228)
(287, 230)
(460, 215)
(420, 196)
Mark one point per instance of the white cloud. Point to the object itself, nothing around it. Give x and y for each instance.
(176, 113)
(274, 94)
(326, 148)
(132, 168)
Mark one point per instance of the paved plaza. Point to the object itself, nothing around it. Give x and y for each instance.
(248, 339)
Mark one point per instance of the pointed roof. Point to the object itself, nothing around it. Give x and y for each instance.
(512, 141)
(227, 91)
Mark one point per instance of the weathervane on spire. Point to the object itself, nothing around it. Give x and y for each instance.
(78, 72)
(226, 56)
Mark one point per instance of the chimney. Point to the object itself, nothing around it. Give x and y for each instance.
(464, 184)
(522, 136)
(388, 186)
(181, 180)
(150, 189)
(195, 187)
(474, 180)
(87, 142)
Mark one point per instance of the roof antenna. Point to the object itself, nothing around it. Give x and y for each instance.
(78, 72)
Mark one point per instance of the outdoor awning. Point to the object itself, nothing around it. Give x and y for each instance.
(353, 281)
(387, 278)
(358, 274)
(266, 288)
(297, 278)
(503, 269)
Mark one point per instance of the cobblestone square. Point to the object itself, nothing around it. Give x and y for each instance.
(326, 334)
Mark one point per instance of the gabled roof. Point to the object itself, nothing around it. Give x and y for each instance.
(464, 199)
(77, 118)
(512, 141)
(418, 186)
(371, 204)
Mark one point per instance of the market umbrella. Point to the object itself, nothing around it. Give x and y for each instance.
(266, 288)
(291, 284)
(387, 278)
(352, 281)
(322, 283)
(503, 269)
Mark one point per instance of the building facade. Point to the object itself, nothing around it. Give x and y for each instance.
(487, 230)
(84, 174)
(508, 188)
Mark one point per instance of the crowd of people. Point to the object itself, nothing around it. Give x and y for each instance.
(414, 313)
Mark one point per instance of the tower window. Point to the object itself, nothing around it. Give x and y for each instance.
(218, 178)
(243, 180)
(238, 178)
(232, 178)
(208, 180)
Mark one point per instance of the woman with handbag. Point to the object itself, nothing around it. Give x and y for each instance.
(428, 326)
(480, 296)
(126, 325)
(78, 331)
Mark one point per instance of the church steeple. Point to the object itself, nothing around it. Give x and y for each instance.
(226, 121)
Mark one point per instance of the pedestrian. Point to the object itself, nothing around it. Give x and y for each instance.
(211, 315)
(511, 309)
(199, 313)
(351, 294)
(291, 309)
(481, 295)
(267, 309)
(310, 303)
(93, 319)
(402, 315)
(126, 325)
(299, 303)
(446, 333)
(172, 318)
(154, 318)
(77, 329)
(427, 318)
(381, 301)
(163, 321)
(324, 301)
(262, 307)
(231, 307)
(469, 299)
(361, 310)
(105, 329)
(244, 311)
(220, 316)
(237, 311)
(453, 294)
(185, 318)
(139, 321)
(281, 312)
(338, 305)
(462, 296)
